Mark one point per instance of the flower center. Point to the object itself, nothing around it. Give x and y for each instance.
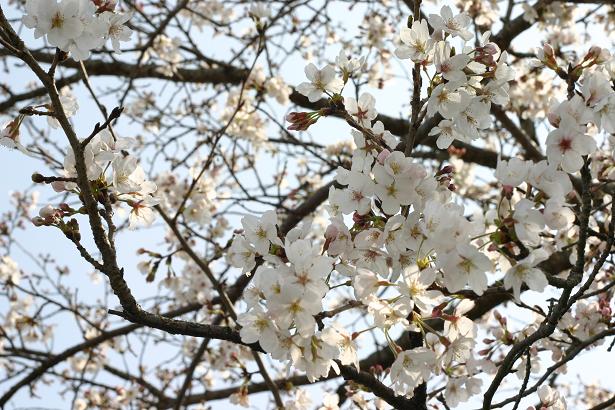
(565, 144)
(57, 21)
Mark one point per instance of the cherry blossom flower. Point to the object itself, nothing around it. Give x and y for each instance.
(349, 66)
(512, 172)
(257, 326)
(416, 42)
(451, 67)
(364, 110)
(548, 178)
(443, 99)
(454, 25)
(76, 26)
(9, 271)
(117, 31)
(411, 368)
(69, 105)
(466, 266)
(415, 292)
(447, 133)
(322, 80)
(242, 254)
(300, 401)
(457, 325)
(142, 214)
(358, 195)
(61, 22)
(567, 145)
(129, 177)
(529, 222)
(294, 305)
(261, 232)
(9, 137)
(550, 399)
(525, 271)
(473, 115)
(330, 402)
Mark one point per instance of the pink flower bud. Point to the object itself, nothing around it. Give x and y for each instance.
(446, 170)
(593, 52)
(301, 121)
(507, 191)
(58, 186)
(554, 119)
(491, 48)
(38, 221)
(486, 59)
(359, 219)
(384, 154)
(47, 212)
(331, 232)
(549, 52)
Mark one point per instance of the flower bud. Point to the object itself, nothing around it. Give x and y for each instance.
(38, 178)
(38, 221)
(58, 186)
(491, 48)
(47, 212)
(383, 155)
(301, 121)
(548, 51)
(485, 59)
(446, 170)
(593, 53)
(331, 232)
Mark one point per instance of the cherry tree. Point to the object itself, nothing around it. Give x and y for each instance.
(222, 214)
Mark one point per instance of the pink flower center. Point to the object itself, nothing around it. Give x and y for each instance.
(565, 144)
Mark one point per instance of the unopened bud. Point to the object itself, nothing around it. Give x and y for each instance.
(593, 53)
(383, 155)
(331, 232)
(38, 178)
(58, 186)
(491, 48)
(548, 50)
(47, 212)
(38, 221)
(485, 59)
(356, 218)
(301, 121)
(446, 170)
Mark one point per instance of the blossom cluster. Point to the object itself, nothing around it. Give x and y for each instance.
(286, 295)
(398, 245)
(410, 247)
(77, 26)
(465, 84)
(543, 211)
(113, 174)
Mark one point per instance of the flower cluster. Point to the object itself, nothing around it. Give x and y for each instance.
(126, 183)
(77, 26)
(464, 85)
(543, 212)
(286, 295)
